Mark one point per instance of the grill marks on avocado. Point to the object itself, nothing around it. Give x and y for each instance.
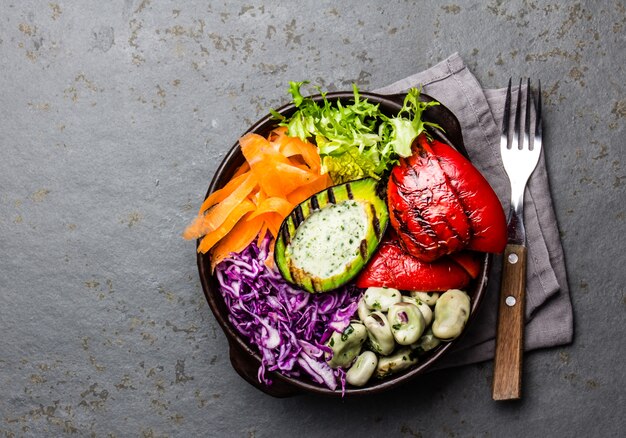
(349, 191)
(331, 196)
(376, 222)
(314, 203)
(298, 216)
(327, 239)
(363, 249)
(285, 235)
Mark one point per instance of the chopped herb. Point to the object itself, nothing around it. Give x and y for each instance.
(347, 332)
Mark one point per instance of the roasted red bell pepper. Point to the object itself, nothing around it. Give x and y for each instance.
(471, 261)
(393, 267)
(439, 203)
(424, 208)
(481, 204)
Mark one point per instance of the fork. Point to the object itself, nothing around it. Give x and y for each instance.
(520, 157)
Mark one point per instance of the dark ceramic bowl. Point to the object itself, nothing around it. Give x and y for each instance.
(244, 357)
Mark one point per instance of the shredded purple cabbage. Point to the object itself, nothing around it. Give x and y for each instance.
(288, 325)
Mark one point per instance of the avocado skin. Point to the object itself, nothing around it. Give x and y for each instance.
(367, 191)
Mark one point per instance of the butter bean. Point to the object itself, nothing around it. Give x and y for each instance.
(380, 298)
(362, 310)
(346, 345)
(362, 369)
(407, 323)
(425, 309)
(379, 333)
(398, 361)
(429, 298)
(451, 313)
(427, 342)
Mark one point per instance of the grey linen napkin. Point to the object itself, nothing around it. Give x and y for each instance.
(549, 316)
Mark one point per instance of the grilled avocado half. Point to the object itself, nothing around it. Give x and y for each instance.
(327, 239)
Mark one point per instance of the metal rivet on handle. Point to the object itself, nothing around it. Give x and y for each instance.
(510, 301)
(513, 258)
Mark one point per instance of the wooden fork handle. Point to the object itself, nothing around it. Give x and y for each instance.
(507, 369)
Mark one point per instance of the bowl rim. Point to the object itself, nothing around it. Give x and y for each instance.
(240, 352)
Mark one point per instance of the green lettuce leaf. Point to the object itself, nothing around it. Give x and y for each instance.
(355, 140)
(405, 129)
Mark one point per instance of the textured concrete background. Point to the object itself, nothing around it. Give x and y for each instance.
(113, 117)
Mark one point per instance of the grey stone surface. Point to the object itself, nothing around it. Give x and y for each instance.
(113, 117)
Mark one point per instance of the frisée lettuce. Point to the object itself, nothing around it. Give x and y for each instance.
(356, 140)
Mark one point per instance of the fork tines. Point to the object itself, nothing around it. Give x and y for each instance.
(521, 137)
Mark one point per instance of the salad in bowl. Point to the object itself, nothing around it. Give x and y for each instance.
(344, 242)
